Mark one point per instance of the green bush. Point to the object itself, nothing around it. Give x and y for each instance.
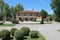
(33, 34)
(19, 34)
(1, 23)
(5, 35)
(12, 31)
(26, 30)
(15, 22)
(57, 19)
(0, 34)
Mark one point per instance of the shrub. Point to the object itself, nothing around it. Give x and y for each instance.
(5, 34)
(19, 34)
(1, 23)
(0, 34)
(15, 22)
(33, 34)
(12, 31)
(26, 30)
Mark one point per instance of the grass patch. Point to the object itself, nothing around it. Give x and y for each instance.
(7, 25)
(28, 38)
(41, 37)
(58, 30)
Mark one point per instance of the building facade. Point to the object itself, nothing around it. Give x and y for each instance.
(27, 15)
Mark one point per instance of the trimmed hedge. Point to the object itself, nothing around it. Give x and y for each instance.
(19, 34)
(33, 34)
(5, 35)
(15, 22)
(12, 31)
(1, 23)
(0, 34)
(26, 30)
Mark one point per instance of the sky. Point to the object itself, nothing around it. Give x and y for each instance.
(37, 5)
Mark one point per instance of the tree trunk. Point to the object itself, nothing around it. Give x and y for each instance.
(42, 21)
(12, 17)
(4, 18)
(17, 18)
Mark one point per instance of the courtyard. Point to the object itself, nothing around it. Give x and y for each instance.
(49, 31)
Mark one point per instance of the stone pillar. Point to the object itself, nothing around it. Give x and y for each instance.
(12, 17)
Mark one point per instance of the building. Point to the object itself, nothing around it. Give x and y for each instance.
(30, 15)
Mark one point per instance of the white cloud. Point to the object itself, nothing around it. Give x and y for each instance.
(43, 2)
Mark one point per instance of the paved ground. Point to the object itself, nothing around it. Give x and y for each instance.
(48, 30)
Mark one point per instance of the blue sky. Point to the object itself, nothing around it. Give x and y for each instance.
(32, 4)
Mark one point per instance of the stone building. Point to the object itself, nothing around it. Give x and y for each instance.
(30, 15)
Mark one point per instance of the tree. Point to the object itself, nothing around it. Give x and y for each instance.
(15, 9)
(9, 12)
(44, 14)
(5, 11)
(19, 7)
(1, 5)
(55, 5)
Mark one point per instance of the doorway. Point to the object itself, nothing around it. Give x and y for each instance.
(31, 19)
(26, 19)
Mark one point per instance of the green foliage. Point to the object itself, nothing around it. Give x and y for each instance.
(1, 5)
(19, 34)
(9, 12)
(5, 34)
(58, 30)
(57, 19)
(5, 9)
(12, 31)
(15, 9)
(26, 30)
(19, 7)
(15, 22)
(0, 34)
(55, 5)
(33, 34)
(6, 25)
(44, 13)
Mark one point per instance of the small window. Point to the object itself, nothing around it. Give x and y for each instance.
(31, 15)
(25, 14)
(18, 14)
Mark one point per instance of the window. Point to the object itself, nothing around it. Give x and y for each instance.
(24, 14)
(18, 14)
(31, 15)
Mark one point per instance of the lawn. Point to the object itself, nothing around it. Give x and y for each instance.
(7, 25)
(40, 38)
(58, 30)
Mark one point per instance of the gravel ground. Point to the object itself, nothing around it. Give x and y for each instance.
(47, 30)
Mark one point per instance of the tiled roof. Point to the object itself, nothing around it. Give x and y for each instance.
(28, 11)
